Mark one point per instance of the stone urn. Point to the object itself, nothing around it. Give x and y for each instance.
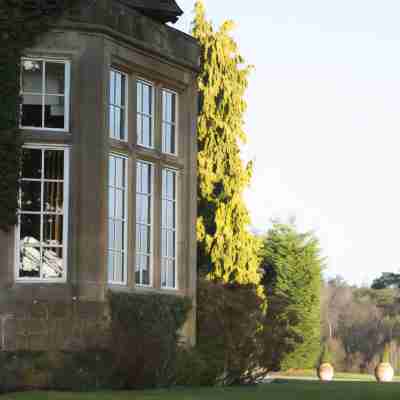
(384, 372)
(325, 372)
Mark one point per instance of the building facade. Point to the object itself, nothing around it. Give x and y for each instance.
(108, 183)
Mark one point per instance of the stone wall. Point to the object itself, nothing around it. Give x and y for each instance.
(53, 326)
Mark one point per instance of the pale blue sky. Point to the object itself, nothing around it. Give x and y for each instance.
(323, 122)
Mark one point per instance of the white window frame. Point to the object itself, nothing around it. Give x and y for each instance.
(66, 150)
(176, 124)
(177, 188)
(125, 108)
(125, 220)
(67, 88)
(151, 236)
(152, 116)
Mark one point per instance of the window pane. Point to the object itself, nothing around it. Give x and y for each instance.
(112, 87)
(147, 99)
(31, 164)
(119, 235)
(120, 172)
(110, 266)
(55, 78)
(118, 267)
(32, 76)
(117, 123)
(116, 225)
(145, 111)
(52, 263)
(53, 230)
(32, 111)
(30, 229)
(139, 129)
(54, 164)
(111, 170)
(54, 112)
(146, 125)
(53, 201)
(111, 234)
(31, 196)
(29, 262)
(139, 93)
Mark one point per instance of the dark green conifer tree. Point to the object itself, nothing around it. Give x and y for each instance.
(292, 267)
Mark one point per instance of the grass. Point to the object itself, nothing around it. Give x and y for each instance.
(281, 390)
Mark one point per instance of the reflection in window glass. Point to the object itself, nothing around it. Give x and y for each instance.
(41, 214)
(117, 105)
(117, 219)
(169, 100)
(43, 86)
(144, 217)
(145, 94)
(168, 229)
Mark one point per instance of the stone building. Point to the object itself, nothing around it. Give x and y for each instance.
(108, 184)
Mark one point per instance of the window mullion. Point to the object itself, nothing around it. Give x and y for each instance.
(43, 93)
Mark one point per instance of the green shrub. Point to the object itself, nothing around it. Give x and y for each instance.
(23, 370)
(229, 319)
(83, 371)
(145, 334)
(191, 368)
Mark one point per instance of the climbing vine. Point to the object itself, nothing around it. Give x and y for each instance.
(21, 22)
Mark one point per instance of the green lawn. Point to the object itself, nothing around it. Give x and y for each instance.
(276, 391)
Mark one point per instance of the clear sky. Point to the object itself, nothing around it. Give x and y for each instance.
(323, 122)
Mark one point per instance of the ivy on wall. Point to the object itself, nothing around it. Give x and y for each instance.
(21, 22)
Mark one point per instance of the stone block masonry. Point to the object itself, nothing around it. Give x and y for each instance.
(50, 326)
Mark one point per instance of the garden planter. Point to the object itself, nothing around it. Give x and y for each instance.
(384, 372)
(325, 372)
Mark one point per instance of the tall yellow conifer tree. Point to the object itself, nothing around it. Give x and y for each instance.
(228, 251)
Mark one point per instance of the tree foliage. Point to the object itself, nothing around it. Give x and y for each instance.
(387, 280)
(20, 24)
(292, 267)
(227, 250)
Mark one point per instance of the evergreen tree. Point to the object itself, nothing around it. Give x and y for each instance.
(292, 279)
(227, 251)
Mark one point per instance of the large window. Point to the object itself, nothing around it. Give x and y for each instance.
(169, 105)
(117, 105)
(144, 220)
(117, 220)
(145, 110)
(43, 205)
(168, 229)
(45, 94)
